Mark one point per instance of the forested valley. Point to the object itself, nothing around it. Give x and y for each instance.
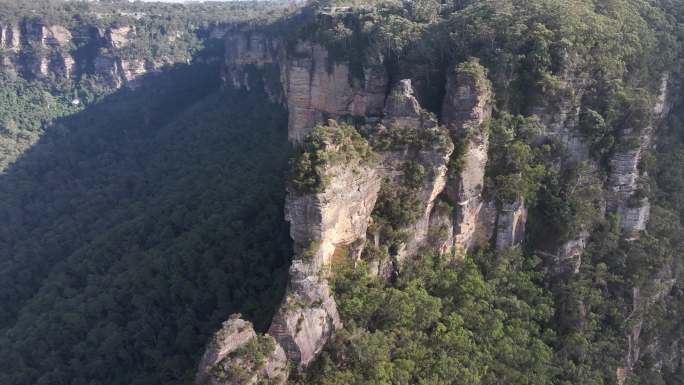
(134, 227)
(471, 192)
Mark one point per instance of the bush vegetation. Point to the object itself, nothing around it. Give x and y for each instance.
(328, 146)
(133, 228)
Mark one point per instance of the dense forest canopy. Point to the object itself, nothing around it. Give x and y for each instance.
(134, 222)
(107, 13)
(127, 232)
(132, 228)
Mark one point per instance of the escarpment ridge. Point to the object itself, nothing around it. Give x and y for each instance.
(379, 178)
(475, 192)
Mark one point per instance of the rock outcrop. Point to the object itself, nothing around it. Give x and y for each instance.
(318, 88)
(37, 50)
(249, 60)
(119, 70)
(10, 38)
(429, 152)
(324, 225)
(55, 36)
(510, 225)
(413, 155)
(133, 70)
(237, 356)
(466, 108)
(624, 180)
(332, 223)
(120, 37)
(313, 86)
(558, 109)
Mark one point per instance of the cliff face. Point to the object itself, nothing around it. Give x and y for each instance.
(324, 226)
(250, 58)
(624, 180)
(317, 89)
(37, 50)
(437, 165)
(466, 109)
(237, 356)
(313, 86)
(416, 168)
(333, 223)
(349, 217)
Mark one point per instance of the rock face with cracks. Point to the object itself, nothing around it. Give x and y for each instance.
(36, 49)
(237, 356)
(624, 179)
(442, 163)
(428, 151)
(466, 108)
(317, 89)
(324, 225)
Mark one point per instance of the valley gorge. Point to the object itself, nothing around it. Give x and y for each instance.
(474, 194)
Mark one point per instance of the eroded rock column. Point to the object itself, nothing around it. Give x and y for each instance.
(466, 109)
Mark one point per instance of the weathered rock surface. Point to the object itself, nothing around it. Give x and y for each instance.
(624, 179)
(245, 51)
(510, 225)
(317, 89)
(36, 49)
(62, 65)
(231, 357)
(466, 108)
(55, 36)
(120, 37)
(132, 70)
(325, 225)
(643, 298)
(558, 111)
(313, 86)
(568, 257)
(441, 228)
(10, 38)
(339, 215)
(431, 152)
(307, 317)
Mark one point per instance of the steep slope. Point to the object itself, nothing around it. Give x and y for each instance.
(550, 133)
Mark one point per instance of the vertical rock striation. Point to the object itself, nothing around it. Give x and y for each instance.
(112, 56)
(428, 151)
(318, 88)
(332, 222)
(466, 108)
(324, 225)
(253, 60)
(624, 182)
(510, 224)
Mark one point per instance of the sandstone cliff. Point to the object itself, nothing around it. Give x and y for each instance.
(313, 86)
(324, 225)
(111, 55)
(398, 201)
(237, 356)
(331, 221)
(624, 182)
(415, 151)
(466, 108)
(318, 88)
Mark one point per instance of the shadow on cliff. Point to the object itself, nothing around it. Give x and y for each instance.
(133, 228)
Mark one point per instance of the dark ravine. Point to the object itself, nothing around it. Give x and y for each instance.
(420, 130)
